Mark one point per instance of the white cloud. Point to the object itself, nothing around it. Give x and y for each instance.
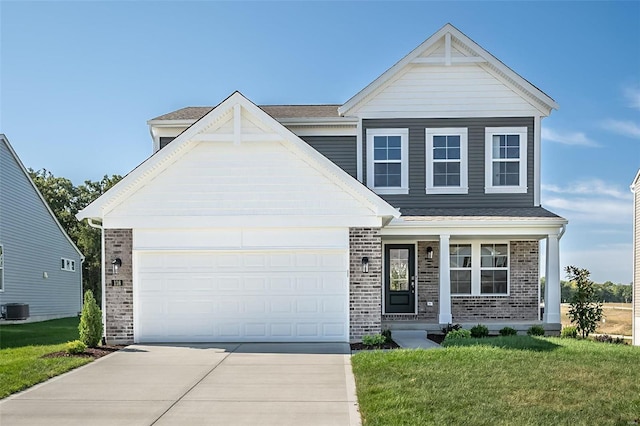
(590, 187)
(633, 95)
(613, 264)
(567, 138)
(593, 210)
(624, 128)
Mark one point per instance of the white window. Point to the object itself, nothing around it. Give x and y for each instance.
(68, 264)
(446, 153)
(479, 269)
(388, 160)
(1, 268)
(506, 160)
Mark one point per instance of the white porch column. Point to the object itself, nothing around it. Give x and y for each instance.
(445, 282)
(552, 285)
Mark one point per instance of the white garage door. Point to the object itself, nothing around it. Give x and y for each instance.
(241, 295)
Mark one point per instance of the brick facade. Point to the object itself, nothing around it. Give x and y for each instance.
(365, 289)
(522, 302)
(118, 298)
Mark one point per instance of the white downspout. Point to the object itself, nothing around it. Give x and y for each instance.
(102, 277)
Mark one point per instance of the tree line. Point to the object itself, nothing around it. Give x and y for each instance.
(607, 292)
(65, 200)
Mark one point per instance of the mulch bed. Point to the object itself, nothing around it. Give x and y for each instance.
(438, 338)
(94, 353)
(361, 347)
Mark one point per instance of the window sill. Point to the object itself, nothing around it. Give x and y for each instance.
(505, 189)
(390, 191)
(448, 190)
(480, 295)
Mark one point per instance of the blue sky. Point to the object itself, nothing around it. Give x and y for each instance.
(79, 80)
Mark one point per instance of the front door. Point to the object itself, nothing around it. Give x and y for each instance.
(400, 278)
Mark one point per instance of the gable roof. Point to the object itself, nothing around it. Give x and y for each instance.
(478, 55)
(275, 111)
(233, 104)
(24, 170)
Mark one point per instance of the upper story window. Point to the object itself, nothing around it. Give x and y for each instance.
(388, 160)
(446, 165)
(506, 159)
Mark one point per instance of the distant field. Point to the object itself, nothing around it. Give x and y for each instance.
(617, 318)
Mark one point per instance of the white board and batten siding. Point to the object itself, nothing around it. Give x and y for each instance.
(234, 285)
(33, 246)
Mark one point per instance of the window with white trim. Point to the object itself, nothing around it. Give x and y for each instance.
(446, 164)
(479, 269)
(388, 160)
(506, 160)
(68, 264)
(1, 267)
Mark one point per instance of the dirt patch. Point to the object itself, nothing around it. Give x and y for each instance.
(94, 353)
(362, 347)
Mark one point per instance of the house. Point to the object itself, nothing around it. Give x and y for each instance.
(414, 204)
(635, 188)
(39, 264)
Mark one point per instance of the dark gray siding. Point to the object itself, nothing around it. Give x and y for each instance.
(476, 159)
(164, 140)
(339, 149)
(34, 244)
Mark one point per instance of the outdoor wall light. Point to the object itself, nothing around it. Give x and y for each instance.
(116, 263)
(365, 264)
(429, 252)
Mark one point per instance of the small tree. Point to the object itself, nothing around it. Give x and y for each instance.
(585, 311)
(90, 321)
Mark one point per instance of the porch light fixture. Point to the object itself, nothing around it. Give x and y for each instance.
(116, 263)
(365, 265)
(429, 252)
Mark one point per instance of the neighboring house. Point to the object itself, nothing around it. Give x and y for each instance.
(635, 188)
(413, 205)
(39, 264)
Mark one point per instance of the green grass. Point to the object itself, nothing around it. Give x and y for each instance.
(517, 380)
(22, 347)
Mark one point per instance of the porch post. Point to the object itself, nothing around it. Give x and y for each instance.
(552, 284)
(445, 282)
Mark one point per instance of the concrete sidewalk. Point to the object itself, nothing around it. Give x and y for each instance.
(238, 384)
(413, 339)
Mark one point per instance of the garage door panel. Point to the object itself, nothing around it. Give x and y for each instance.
(242, 296)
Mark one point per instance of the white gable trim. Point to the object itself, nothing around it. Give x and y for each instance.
(46, 205)
(479, 56)
(234, 104)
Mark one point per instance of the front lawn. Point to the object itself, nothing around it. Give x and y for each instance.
(22, 347)
(509, 380)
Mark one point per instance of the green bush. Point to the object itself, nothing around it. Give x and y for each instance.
(585, 311)
(373, 340)
(458, 334)
(605, 338)
(569, 332)
(387, 335)
(479, 331)
(75, 347)
(450, 327)
(90, 321)
(535, 330)
(508, 331)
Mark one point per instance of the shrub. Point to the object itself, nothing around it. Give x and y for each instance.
(460, 333)
(75, 347)
(450, 327)
(605, 338)
(535, 330)
(387, 335)
(90, 327)
(508, 331)
(569, 332)
(479, 331)
(373, 340)
(585, 312)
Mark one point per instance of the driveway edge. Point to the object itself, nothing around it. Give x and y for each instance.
(352, 397)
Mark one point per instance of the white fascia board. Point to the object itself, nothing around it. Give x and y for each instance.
(491, 62)
(171, 123)
(236, 221)
(46, 205)
(635, 184)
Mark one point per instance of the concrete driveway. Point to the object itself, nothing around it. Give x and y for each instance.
(194, 384)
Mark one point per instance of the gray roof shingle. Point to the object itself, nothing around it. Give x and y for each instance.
(478, 212)
(276, 111)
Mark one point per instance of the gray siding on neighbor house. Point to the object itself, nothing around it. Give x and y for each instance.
(339, 149)
(417, 198)
(34, 244)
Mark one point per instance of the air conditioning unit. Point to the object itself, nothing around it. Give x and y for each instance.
(16, 311)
